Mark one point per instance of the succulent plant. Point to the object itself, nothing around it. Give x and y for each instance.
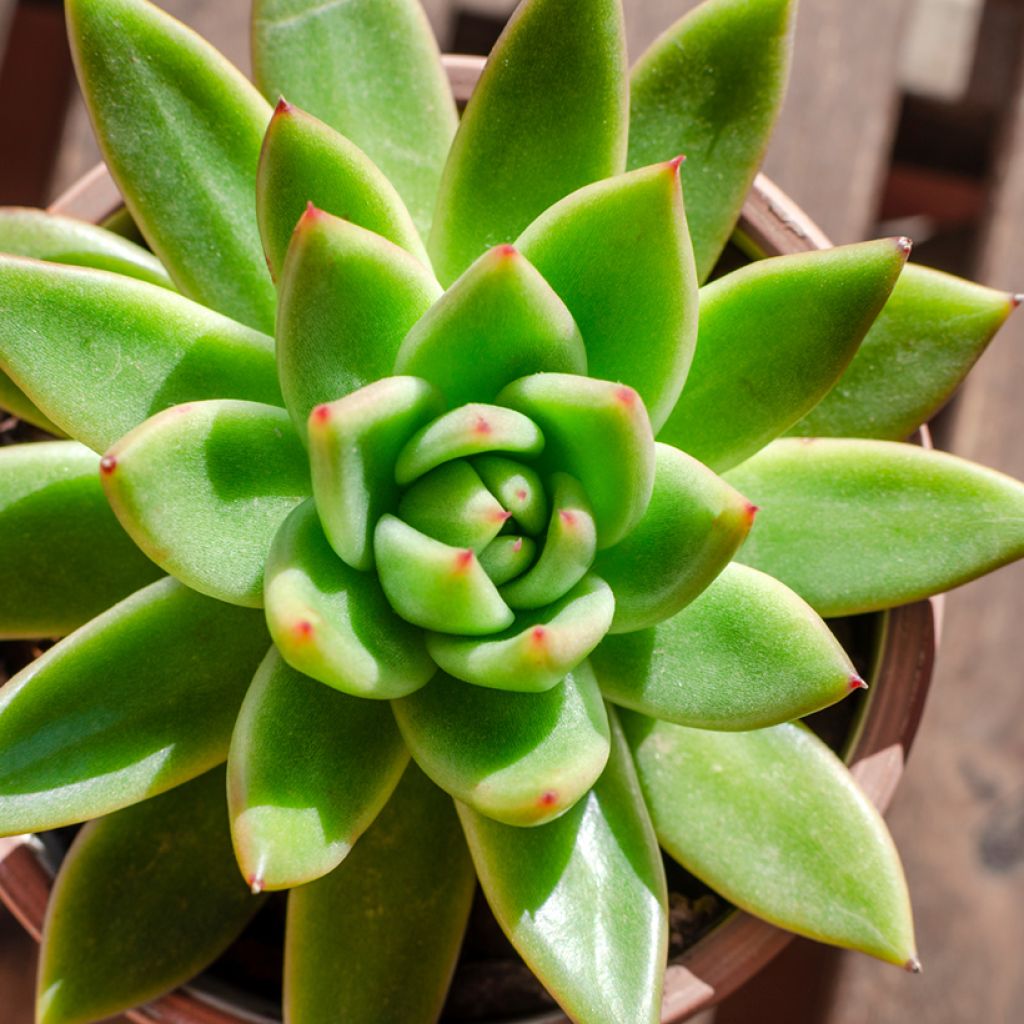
(476, 525)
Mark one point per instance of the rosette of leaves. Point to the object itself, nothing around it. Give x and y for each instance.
(466, 505)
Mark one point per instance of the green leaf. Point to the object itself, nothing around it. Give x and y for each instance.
(202, 489)
(69, 335)
(435, 585)
(553, 745)
(48, 236)
(711, 87)
(619, 255)
(371, 70)
(583, 898)
(295, 740)
(140, 700)
(353, 446)
(499, 321)
(747, 653)
(549, 115)
(157, 880)
(835, 511)
(333, 622)
(16, 402)
(598, 432)
(506, 557)
(64, 557)
(775, 336)
(397, 907)
(180, 129)
(519, 489)
(774, 822)
(538, 650)
(302, 162)
(924, 342)
(348, 297)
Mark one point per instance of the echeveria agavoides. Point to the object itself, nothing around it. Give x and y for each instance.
(462, 509)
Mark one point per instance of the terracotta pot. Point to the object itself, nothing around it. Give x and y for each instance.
(876, 746)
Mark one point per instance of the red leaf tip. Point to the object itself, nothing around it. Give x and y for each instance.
(913, 966)
(521, 494)
(538, 635)
(904, 244)
(321, 413)
(751, 511)
(508, 251)
(481, 426)
(548, 798)
(283, 107)
(1016, 299)
(464, 559)
(517, 545)
(675, 163)
(310, 215)
(856, 683)
(303, 629)
(569, 518)
(501, 516)
(108, 464)
(256, 885)
(626, 395)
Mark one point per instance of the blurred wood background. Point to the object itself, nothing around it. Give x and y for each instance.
(904, 116)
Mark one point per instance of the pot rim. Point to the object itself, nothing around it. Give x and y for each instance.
(741, 945)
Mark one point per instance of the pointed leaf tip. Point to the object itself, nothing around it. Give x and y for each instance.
(283, 107)
(856, 683)
(913, 966)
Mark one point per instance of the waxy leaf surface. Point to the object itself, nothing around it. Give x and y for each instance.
(711, 87)
(202, 489)
(140, 700)
(507, 556)
(378, 938)
(157, 879)
(308, 771)
(180, 129)
(553, 745)
(774, 338)
(519, 489)
(549, 115)
(835, 511)
(604, 965)
(774, 821)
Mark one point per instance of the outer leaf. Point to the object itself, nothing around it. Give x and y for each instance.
(774, 338)
(295, 742)
(157, 879)
(747, 653)
(202, 489)
(599, 432)
(348, 297)
(371, 70)
(835, 511)
(499, 321)
(334, 623)
(140, 700)
(690, 531)
(925, 340)
(16, 402)
(553, 745)
(69, 334)
(605, 964)
(711, 87)
(619, 255)
(549, 115)
(303, 161)
(64, 557)
(774, 822)
(397, 907)
(180, 129)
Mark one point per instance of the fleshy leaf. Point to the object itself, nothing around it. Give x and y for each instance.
(202, 489)
(518, 488)
(599, 432)
(16, 402)
(553, 745)
(435, 585)
(333, 622)
(147, 694)
(158, 879)
(549, 115)
(745, 654)
(774, 822)
(604, 963)
(711, 87)
(180, 129)
(618, 254)
(348, 297)
(64, 557)
(499, 321)
(506, 557)
(371, 71)
(397, 907)
(690, 531)
(834, 512)
(69, 334)
(304, 161)
(925, 340)
(353, 446)
(295, 742)
(538, 650)
(775, 336)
